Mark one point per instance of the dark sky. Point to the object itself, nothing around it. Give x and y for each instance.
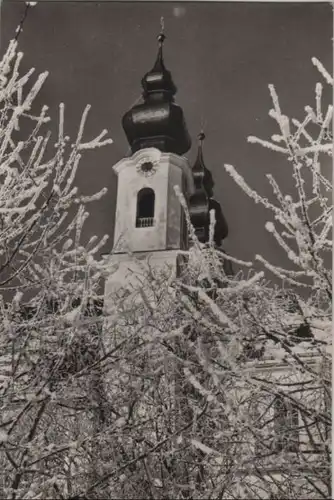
(222, 56)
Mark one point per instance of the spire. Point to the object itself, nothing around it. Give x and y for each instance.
(200, 172)
(157, 122)
(159, 79)
(201, 202)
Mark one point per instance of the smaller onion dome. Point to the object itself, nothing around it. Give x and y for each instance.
(201, 201)
(159, 79)
(157, 122)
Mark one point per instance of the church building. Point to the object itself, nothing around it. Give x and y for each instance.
(149, 217)
(150, 223)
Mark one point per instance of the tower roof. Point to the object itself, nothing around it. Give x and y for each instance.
(157, 122)
(159, 79)
(201, 202)
(201, 174)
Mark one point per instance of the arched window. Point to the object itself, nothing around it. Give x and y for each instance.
(145, 208)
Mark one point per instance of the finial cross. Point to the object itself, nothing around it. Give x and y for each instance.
(162, 36)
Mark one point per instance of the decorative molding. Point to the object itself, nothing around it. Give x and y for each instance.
(154, 155)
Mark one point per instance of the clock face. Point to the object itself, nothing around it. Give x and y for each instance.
(147, 167)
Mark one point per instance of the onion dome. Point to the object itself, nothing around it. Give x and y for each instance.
(201, 201)
(157, 121)
(159, 79)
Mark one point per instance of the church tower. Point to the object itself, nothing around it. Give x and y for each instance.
(201, 201)
(149, 218)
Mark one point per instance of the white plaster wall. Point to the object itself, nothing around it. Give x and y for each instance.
(131, 268)
(165, 234)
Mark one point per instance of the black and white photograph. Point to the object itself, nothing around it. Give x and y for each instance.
(166, 250)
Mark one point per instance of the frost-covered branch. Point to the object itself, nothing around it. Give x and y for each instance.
(303, 222)
(49, 284)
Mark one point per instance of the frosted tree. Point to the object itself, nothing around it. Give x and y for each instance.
(277, 416)
(303, 226)
(174, 399)
(303, 229)
(210, 380)
(49, 294)
(223, 386)
(244, 385)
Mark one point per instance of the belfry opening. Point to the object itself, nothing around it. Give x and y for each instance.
(145, 208)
